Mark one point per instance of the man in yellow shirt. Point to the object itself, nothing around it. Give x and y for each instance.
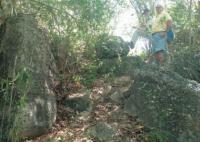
(160, 25)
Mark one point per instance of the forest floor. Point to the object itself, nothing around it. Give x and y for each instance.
(73, 126)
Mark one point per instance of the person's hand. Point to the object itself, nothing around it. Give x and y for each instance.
(164, 34)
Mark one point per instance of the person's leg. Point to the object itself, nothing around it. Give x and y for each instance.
(159, 57)
(159, 47)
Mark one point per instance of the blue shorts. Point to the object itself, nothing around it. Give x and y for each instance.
(159, 43)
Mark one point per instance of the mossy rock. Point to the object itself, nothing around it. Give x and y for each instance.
(120, 66)
(165, 100)
(28, 63)
(111, 47)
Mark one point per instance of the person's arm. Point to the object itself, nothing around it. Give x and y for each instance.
(168, 21)
(168, 24)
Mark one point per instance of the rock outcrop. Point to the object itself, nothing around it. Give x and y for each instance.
(166, 101)
(109, 47)
(28, 63)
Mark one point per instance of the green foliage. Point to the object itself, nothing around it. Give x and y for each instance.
(110, 47)
(8, 7)
(6, 86)
(90, 74)
(186, 62)
(79, 20)
(157, 136)
(13, 97)
(74, 27)
(16, 87)
(186, 22)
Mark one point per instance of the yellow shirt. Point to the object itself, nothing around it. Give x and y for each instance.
(159, 22)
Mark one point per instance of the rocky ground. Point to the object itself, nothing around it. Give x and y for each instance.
(95, 115)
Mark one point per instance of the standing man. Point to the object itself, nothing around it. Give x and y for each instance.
(160, 25)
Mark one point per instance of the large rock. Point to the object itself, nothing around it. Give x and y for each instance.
(166, 101)
(28, 62)
(120, 66)
(102, 131)
(120, 86)
(111, 47)
(79, 102)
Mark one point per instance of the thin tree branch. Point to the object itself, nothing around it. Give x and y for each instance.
(46, 5)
